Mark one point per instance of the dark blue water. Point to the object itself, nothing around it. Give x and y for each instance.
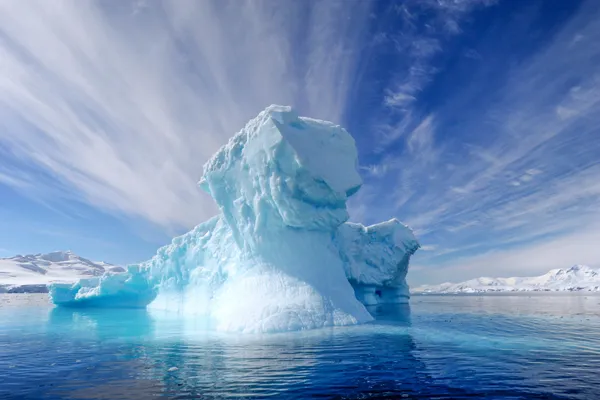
(441, 347)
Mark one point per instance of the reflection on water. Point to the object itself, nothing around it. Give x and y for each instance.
(439, 347)
(101, 322)
(394, 314)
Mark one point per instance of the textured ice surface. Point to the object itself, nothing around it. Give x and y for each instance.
(280, 255)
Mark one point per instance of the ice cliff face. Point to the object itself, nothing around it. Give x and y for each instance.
(280, 255)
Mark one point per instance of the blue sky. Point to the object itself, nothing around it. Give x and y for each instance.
(477, 121)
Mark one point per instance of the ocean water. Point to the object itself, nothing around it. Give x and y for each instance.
(529, 346)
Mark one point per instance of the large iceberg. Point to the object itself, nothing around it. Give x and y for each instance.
(280, 255)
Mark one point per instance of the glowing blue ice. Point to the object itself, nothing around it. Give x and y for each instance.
(280, 255)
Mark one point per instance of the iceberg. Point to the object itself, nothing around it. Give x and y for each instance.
(280, 255)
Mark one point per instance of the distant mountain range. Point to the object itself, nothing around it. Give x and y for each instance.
(576, 278)
(31, 273)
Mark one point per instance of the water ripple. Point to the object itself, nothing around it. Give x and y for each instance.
(442, 347)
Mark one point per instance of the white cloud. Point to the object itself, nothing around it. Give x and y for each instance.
(420, 140)
(399, 99)
(565, 113)
(119, 104)
(420, 42)
(376, 170)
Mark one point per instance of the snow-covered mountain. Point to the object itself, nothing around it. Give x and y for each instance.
(576, 278)
(31, 273)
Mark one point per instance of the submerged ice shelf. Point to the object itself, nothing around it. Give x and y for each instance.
(280, 255)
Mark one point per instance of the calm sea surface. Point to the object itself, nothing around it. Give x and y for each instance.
(538, 346)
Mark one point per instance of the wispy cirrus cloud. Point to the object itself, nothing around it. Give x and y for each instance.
(404, 134)
(118, 104)
(520, 162)
(427, 26)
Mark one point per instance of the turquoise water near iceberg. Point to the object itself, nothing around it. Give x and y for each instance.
(528, 346)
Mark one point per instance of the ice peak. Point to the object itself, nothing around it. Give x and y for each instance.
(57, 256)
(575, 269)
(284, 115)
(295, 169)
(579, 267)
(53, 256)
